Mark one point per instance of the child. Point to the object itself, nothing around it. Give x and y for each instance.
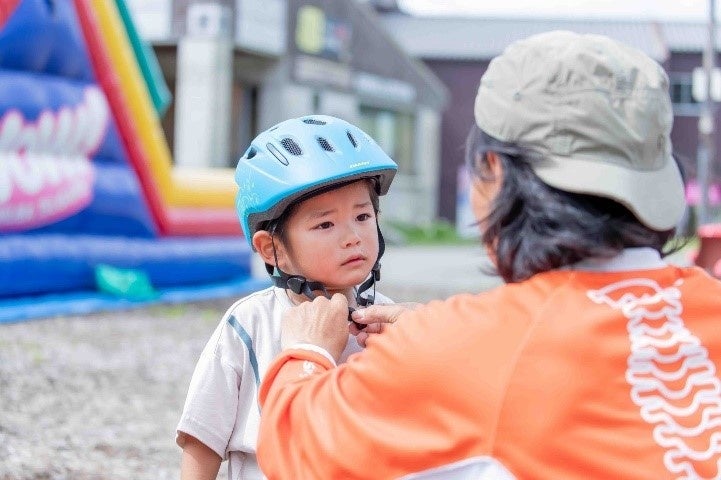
(308, 205)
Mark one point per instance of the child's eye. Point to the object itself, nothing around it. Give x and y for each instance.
(364, 216)
(324, 226)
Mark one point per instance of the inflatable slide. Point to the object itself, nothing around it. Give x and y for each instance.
(90, 204)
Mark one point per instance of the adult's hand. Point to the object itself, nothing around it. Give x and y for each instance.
(378, 317)
(322, 322)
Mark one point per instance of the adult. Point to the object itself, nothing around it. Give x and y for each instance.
(596, 360)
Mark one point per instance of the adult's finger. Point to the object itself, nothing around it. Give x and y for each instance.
(382, 313)
(373, 329)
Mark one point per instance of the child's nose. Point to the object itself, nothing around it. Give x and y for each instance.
(352, 237)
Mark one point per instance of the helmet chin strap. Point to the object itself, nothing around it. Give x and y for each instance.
(300, 285)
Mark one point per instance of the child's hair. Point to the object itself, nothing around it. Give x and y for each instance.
(533, 227)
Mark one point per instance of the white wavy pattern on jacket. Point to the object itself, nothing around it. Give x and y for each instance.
(683, 401)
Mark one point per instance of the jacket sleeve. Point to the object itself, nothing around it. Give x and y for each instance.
(405, 404)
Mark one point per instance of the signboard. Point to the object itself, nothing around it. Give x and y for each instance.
(317, 33)
(341, 45)
(321, 43)
(371, 85)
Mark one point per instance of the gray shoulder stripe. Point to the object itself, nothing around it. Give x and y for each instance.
(243, 334)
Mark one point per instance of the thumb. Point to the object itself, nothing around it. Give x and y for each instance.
(339, 301)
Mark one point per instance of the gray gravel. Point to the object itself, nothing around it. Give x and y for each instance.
(98, 397)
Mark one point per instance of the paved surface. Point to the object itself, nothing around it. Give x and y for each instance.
(426, 273)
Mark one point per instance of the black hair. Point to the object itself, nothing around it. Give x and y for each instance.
(533, 227)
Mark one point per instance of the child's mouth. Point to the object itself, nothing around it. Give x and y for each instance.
(354, 260)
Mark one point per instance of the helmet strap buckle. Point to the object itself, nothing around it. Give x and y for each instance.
(296, 283)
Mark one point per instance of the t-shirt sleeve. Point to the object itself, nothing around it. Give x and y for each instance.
(212, 402)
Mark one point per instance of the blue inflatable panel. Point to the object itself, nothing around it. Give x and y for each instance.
(56, 40)
(116, 209)
(82, 303)
(117, 205)
(69, 198)
(33, 94)
(47, 263)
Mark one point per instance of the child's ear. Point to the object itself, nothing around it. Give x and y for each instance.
(263, 243)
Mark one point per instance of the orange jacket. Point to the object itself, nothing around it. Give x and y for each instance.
(567, 375)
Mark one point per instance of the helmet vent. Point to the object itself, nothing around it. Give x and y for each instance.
(250, 153)
(325, 145)
(313, 121)
(352, 139)
(276, 153)
(292, 147)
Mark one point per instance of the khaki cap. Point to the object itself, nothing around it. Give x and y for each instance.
(597, 111)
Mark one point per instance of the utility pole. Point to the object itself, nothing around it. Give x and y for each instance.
(706, 150)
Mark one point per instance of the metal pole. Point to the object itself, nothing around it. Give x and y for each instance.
(706, 152)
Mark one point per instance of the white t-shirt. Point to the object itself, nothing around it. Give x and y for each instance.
(221, 409)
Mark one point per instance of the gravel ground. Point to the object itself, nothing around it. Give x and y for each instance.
(97, 397)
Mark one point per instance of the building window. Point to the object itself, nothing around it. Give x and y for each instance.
(681, 90)
(394, 132)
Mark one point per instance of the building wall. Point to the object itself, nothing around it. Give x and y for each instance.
(352, 70)
(685, 136)
(462, 79)
(413, 198)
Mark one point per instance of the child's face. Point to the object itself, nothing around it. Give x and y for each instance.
(332, 237)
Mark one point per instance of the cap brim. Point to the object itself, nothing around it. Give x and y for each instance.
(656, 197)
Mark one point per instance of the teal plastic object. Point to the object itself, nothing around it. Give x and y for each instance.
(19, 309)
(148, 62)
(128, 283)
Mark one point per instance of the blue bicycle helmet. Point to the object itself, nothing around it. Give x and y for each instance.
(299, 156)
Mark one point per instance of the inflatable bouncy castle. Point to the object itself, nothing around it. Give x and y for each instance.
(87, 185)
